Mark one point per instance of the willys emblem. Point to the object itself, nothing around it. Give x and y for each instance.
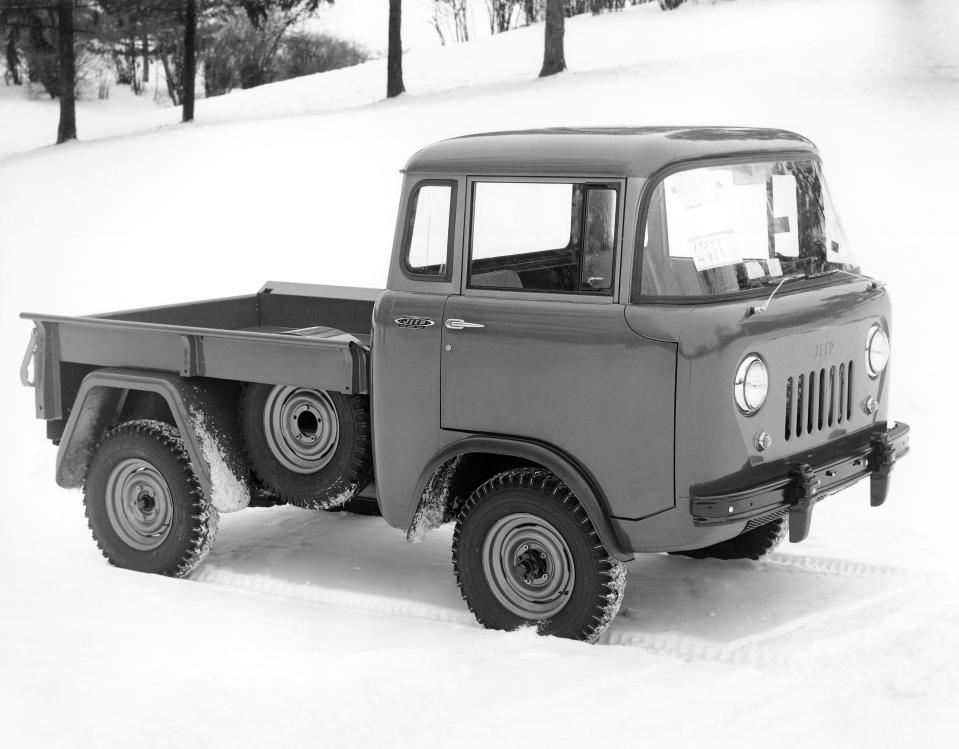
(412, 321)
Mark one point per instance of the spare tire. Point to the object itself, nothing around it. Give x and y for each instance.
(312, 447)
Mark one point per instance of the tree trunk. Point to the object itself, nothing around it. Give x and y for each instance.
(67, 129)
(145, 53)
(168, 74)
(13, 59)
(134, 81)
(554, 60)
(394, 55)
(189, 60)
(529, 10)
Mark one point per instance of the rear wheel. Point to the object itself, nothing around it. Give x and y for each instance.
(144, 504)
(525, 552)
(756, 544)
(311, 447)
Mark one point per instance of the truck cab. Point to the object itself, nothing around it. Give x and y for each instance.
(593, 343)
(605, 295)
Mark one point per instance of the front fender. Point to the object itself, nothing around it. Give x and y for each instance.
(564, 468)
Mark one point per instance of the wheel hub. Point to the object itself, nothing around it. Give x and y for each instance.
(306, 423)
(532, 565)
(139, 504)
(528, 566)
(301, 428)
(145, 503)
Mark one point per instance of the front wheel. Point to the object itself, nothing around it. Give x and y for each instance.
(525, 552)
(143, 502)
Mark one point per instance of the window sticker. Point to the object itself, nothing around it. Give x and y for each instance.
(835, 247)
(746, 204)
(686, 189)
(774, 267)
(714, 250)
(754, 270)
(713, 220)
(785, 216)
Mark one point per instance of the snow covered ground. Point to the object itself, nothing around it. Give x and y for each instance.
(328, 629)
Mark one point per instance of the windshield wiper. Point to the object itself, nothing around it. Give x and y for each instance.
(874, 283)
(755, 310)
(779, 280)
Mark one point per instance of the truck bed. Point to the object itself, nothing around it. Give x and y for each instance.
(289, 334)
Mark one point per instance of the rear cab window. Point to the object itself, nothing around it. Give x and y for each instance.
(555, 236)
(429, 231)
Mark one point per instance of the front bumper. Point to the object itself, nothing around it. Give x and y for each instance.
(802, 480)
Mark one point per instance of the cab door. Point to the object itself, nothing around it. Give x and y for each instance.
(537, 347)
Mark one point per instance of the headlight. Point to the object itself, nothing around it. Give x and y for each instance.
(751, 384)
(877, 350)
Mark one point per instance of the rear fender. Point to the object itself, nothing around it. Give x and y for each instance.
(205, 416)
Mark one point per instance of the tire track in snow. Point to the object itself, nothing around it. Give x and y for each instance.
(752, 650)
(839, 567)
(319, 594)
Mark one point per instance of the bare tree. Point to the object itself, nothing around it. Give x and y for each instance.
(13, 59)
(189, 60)
(145, 53)
(394, 55)
(554, 59)
(67, 129)
(438, 19)
(502, 14)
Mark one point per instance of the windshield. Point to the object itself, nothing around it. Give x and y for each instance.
(733, 227)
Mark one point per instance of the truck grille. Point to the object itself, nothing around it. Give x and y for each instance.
(818, 399)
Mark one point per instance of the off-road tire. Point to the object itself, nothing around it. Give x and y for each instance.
(350, 463)
(756, 544)
(535, 500)
(148, 455)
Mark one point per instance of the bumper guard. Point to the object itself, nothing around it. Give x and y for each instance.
(803, 485)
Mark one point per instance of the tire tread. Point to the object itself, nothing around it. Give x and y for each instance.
(608, 602)
(205, 518)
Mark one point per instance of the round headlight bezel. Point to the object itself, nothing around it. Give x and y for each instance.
(874, 350)
(743, 389)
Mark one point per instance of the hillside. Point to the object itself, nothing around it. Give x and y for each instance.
(328, 629)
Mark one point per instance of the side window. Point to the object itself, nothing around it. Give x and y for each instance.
(429, 231)
(543, 236)
(600, 244)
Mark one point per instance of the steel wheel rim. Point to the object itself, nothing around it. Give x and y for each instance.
(528, 566)
(301, 428)
(139, 504)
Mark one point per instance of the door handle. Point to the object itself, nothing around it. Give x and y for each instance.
(455, 323)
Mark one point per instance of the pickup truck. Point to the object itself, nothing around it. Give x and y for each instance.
(593, 343)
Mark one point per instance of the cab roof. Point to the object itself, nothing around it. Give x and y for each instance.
(623, 151)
